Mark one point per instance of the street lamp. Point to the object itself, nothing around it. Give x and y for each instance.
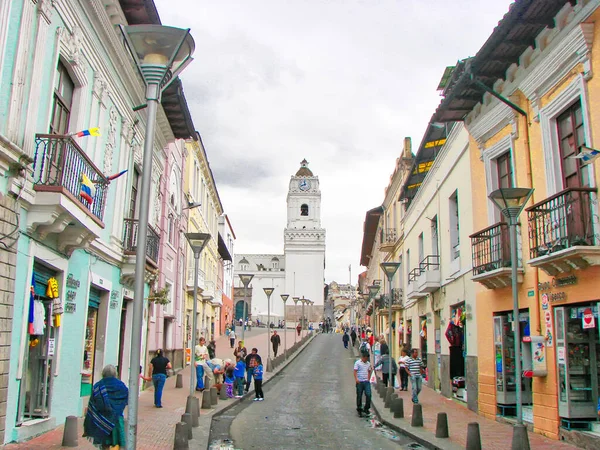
(284, 297)
(245, 278)
(296, 300)
(373, 290)
(511, 201)
(390, 269)
(160, 53)
(269, 292)
(197, 242)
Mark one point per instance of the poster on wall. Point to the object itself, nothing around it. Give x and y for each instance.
(549, 329)
(587, 319)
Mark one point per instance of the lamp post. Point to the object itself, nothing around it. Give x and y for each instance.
(303, 300)
(296, 300)
(245, 278)
(269, 292)
(390, 269)
(511, 201)
(373, 290)
(160, 53)
(284, 297)
(197, 242)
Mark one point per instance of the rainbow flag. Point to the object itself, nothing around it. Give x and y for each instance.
(88, 190)
(90, 132)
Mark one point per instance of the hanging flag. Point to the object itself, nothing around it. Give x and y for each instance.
(87, 189)
(587, 154)
(116, 175)
(89, 132)
(31, 304)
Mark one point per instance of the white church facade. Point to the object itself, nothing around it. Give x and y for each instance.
(300, 270)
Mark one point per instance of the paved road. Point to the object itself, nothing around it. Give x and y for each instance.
(311, 405)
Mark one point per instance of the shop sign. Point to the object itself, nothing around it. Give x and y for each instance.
(560, 355)
(531, 293)
(70, 307)
(51, 347)
(72, 282)
(557, 282)
(588, 319)
(114, 304)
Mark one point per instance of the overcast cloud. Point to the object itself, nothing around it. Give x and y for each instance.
(340, 83)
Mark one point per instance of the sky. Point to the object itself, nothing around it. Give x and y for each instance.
(338, 82)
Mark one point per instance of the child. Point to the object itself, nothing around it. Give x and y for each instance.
(229, 380)
(238, 373)
(258, 378)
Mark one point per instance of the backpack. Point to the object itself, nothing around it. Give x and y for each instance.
(363, 347)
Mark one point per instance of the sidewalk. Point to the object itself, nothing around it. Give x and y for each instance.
(156, 427)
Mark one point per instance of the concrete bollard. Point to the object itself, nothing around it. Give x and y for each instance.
(187, 419)
(70, 432)
(417, 416)
(214, 396)
(388, 393)
(179, 381)
(181, 437)
(206, 403)
(398, 408)
(390, 399)
(520, 439)
(441, 426)
(223, 393)
(192, 407)
(473, 437)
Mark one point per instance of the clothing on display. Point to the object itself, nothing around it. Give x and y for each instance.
(39, 318)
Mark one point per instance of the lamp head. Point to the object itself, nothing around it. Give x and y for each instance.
(197, 241)
(246, 278)
(268, 291)
(284, 297)
(192, 205)
(296, 299)
(390, 268)
(511, 201)
(373, 290)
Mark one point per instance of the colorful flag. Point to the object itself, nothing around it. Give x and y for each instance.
(88, 190)
(588, 155)
(31, 304)
(116, 175)
(90, 132)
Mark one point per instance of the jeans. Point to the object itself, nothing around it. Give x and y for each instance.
(258, 392)
(385, 376)
(199, 377)
(232, 342)
(275, 348)
(239, 385)
(363, 386)
(403, 379)
(416, 381)
(159, 382)
(249, 375)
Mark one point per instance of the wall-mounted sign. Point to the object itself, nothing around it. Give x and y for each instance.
(114, 304)
(70, 307)
(71, 296)
(557, 282)
(588, 320)
(72, 282)
(51, 346)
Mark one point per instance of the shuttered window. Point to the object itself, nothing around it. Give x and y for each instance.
(41, 275)
(95, 297)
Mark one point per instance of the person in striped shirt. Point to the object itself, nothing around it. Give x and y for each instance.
(414, 366)
(362, 375)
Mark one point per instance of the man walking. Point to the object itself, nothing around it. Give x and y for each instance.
(362, 374)
(345, 340)
(231, 338)
(353, 337)
(415, 368)
(276, 341)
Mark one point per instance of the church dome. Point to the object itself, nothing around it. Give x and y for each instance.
(304, 171)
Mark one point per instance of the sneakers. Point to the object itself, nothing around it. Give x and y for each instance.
(256, 399)
(261, 399)
(238, 396)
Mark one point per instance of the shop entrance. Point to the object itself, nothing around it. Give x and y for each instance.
(423, 339)
(89, 348)
(457, 347)
(578, 361)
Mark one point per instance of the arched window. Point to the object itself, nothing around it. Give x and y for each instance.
(275, 263)
(304, 210)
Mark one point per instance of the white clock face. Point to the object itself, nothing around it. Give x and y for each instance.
(304, 185)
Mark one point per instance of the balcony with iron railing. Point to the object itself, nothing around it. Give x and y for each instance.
(130, 237)
(387, 239)
(561, 231)
(412, 291)
(70, 193)
(190, 279)
(491, 256)
(429, 274)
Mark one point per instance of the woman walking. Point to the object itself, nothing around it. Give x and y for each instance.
(158, 375)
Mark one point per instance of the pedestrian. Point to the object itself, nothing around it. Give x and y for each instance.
(229, 379)
(231, 338)
(104, 425)
(158, 374)
(275, 341)
(416, 371)
(298, 329)
(239, 372)
(200, 355)
(384, 362)
(259, 396)
(240, 350)
(403, 370)
(212, 349)
(253, 360)
(362, 374)
(364, 346)
(353, 337)
(384, 349)
(345, 340)
(376, 347)
(216, 371)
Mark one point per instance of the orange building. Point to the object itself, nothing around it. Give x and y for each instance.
(530, 100)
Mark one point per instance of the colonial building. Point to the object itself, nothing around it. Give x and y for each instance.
(226, 250)
(300, 270)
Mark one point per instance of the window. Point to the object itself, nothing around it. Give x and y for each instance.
(421, 248)
(134, 192)
(505, 171)
(454, 226)
(196, 181)
(408, 266)
(171, 228)
(571, 137)
(434, 236)
(62, 101)
(304, 210)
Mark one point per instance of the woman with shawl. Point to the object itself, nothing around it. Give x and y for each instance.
(103, 424)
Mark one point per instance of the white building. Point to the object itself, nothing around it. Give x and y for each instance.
(300, 270)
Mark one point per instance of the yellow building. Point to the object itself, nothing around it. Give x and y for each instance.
(205, 208)
(529, 99)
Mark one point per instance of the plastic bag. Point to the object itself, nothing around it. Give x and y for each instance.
(373, 379)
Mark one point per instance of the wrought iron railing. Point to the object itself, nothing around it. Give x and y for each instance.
(388, 236)
(491, 248)
(561, 221)
(60, 166)
(430, 262)
(414, 274)
(130, 237)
